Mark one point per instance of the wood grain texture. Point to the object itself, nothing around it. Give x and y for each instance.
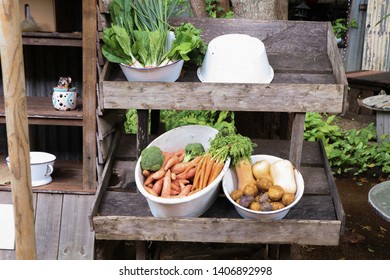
(76, 237)
(89, 26)
(40, 110)
(12, 65)
(47, 225)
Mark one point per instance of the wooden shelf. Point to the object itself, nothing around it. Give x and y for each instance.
(40, 111)
(52, 39)
(67, 178)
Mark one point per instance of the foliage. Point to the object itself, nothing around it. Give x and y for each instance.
(213, 9)
(173, 119)
(348, 150)
(341, 26)
(216, 119)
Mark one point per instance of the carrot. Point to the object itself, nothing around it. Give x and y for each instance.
(166, 188)
(174, 192)
(146, 173)
(186, 175)
(209, 168)
(179, 153)
(180, 167)
(185, 191)
(173, 176)
(175, 187)
(171, 162)
(149, 179)
(158, 186)
(150, 191)
(158, 174)
(202, 175)
(244, 173)
(198, 172)
(218, 166)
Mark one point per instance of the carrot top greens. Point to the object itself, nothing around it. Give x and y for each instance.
(228, 143)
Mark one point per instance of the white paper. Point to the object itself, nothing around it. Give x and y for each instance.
(7, 227)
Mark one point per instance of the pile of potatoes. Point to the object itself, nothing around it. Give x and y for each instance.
(266, 192)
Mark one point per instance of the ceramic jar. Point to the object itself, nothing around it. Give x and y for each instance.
(64, 99)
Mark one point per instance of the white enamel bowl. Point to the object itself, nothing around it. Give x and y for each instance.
(229, 183)
(42, 166)
(236, 58)
(193, 205)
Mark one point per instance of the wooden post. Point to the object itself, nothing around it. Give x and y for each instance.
(17, 128)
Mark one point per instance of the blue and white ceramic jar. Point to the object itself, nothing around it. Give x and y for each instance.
(64, 99)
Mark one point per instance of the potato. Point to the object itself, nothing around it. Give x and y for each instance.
(266, 206)
(263, 184)
(263, 198)
(236, 194)
(275, 193)
(255, 206)
(251, 189)
(288, 198)
(246, 200)
(276, 205)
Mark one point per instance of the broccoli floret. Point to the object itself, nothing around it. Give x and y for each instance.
(152, 158)
(192, 150)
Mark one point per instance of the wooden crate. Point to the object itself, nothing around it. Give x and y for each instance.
(318, 219)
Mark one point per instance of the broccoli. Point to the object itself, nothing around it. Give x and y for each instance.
(192, 150)
(152, 158)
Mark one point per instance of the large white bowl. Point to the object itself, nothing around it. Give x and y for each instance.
(236, 58)
(42, 166)
(229, 183)
(193, 205)
(166, 73)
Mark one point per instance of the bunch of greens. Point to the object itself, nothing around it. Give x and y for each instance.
(139, 32)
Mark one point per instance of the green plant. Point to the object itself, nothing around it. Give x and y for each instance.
(213, 9)
(139, 32)
(351, 150)
(341, 25)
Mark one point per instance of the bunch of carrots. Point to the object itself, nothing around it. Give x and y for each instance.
(176, 178)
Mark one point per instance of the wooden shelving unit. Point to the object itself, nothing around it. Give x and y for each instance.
(40, 110)
(52, 39)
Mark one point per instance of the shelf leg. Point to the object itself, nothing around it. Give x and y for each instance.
(297, 139)
(143, 126)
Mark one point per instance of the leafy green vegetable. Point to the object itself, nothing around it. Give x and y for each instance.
(139, 33)
(116, 46)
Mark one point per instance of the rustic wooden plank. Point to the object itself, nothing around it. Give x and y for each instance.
(279, 36)
(105, 177)
(337, 65)
(67, 178)
(40, 110)
(52, 42)
(14, 84)
(89, 26)
(76, 237)
(225, 96)
(339, 209)
(229, 230)
(47, 225)
(295, 155)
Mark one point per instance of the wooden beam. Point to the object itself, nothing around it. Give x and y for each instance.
(89, 93)
(17, 128)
